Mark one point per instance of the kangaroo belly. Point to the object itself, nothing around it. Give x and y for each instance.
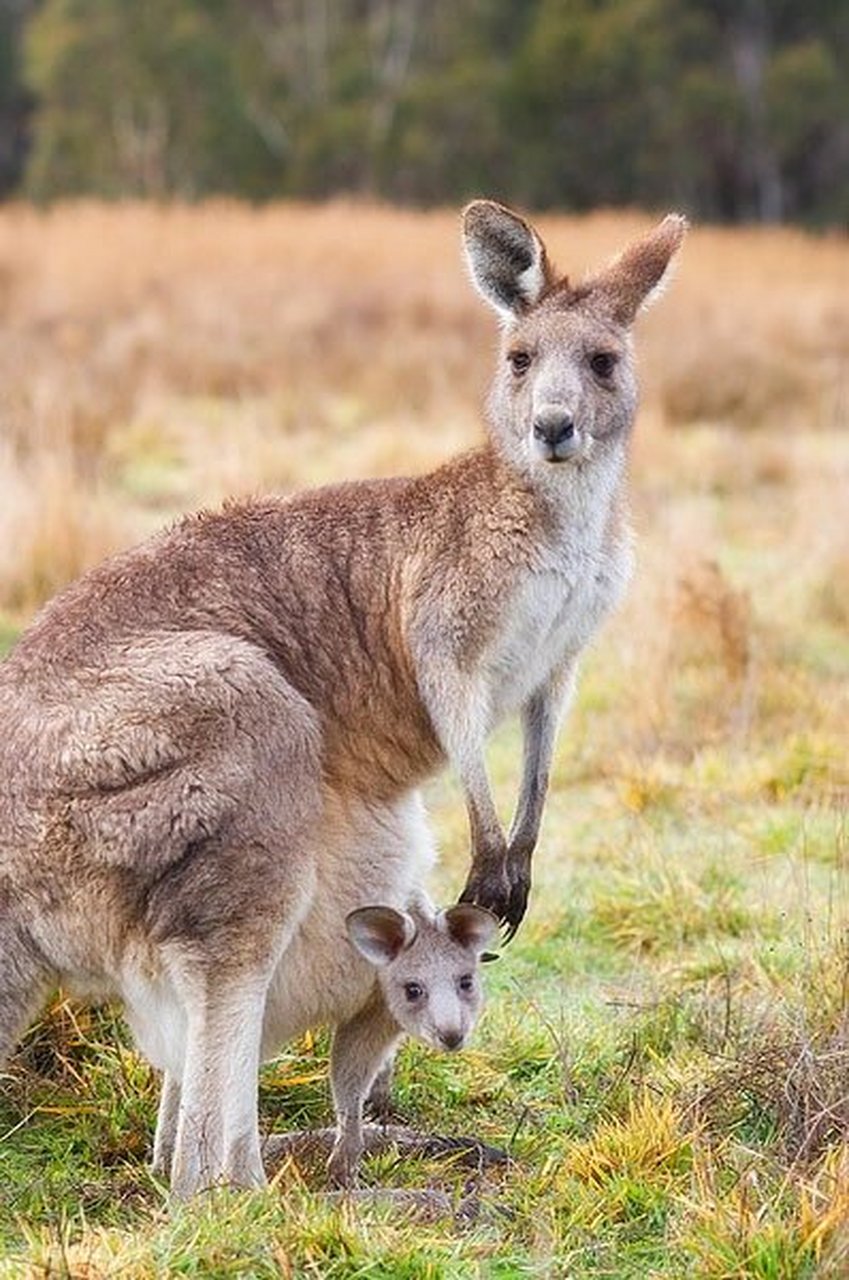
(368, 855)
(157, 1019)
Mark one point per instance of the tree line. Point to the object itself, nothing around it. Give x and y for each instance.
(732, 109)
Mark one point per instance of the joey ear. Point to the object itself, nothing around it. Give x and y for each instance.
(468, 925)
(638, 276)
(506, 257)
(380, 934)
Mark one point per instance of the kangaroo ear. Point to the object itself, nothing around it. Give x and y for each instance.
(470, 926)
(380, 933)
(639, 275)
(507, 259)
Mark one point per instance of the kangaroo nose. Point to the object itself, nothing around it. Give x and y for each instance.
(554, 428)
(451, 1039)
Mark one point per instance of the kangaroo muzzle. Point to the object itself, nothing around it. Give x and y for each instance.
(555, 436)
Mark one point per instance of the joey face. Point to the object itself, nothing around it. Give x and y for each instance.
(428, 970)
(565, 387)
(434, 993)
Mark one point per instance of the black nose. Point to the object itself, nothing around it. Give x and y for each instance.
(451, 1039)
(554, 428)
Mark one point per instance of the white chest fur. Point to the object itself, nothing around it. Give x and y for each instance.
(552, 614)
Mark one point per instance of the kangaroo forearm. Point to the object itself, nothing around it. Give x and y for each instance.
(540, 732)
(500, 877)
(541, 720)
(485, 830)
(458, 705)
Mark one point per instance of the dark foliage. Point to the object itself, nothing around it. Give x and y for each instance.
(732, 109)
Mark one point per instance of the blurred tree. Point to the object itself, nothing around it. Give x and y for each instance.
(450, 138)
(14, 99)
(138, 99)
(324, 81)
(806, 93)
(787, 149)
(591, 94)
(731, 108)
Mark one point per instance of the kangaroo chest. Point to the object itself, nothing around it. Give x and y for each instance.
(552, 613)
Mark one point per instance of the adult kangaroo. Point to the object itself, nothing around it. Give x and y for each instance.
(201, 732)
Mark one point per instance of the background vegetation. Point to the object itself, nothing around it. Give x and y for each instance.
(666, 1048)
(732, 109)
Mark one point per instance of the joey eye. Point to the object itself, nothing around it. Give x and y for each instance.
(520, 362)
(413, 991)
(467, 982)
(603, 363)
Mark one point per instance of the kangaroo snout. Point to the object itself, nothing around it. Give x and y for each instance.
(452, 1040)
(555, 435)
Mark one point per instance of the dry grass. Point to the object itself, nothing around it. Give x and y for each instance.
(154, 358)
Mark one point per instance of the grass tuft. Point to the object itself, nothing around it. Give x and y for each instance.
(663, 909)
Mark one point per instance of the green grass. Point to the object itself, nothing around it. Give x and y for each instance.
(661, 951)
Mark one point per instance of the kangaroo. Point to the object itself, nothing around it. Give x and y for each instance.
(211, 735)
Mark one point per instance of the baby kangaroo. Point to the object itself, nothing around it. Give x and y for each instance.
(427, 986)
(212, 744)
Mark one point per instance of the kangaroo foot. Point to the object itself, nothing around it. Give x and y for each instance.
(315, 1144)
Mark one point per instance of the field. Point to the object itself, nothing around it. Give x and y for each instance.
(665, 1052)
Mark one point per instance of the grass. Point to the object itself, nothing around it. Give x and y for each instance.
(666, 1046)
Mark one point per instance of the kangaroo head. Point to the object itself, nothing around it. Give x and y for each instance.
(427, 967)
(565, 388)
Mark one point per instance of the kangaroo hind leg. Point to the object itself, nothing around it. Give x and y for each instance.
(221, 914)
(216, 1136)
(24, 981)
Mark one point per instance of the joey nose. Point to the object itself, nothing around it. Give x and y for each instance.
(554, 428)
(451, 1039)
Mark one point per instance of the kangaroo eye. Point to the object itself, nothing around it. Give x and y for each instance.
(413, 991)
(520, 362)
(603, 363)
(467, 982)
